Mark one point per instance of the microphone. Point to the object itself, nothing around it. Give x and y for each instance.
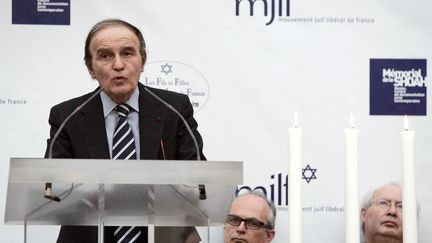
(48, 193)
(202, 192)
(201, 188)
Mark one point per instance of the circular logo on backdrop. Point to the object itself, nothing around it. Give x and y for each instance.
(178, 77)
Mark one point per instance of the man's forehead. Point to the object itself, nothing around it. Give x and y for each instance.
(102, 49)
(114, 36)
(121, 42)
(249, 206)
(392, 192)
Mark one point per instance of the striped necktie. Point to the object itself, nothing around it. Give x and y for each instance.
(123, 140)
(124, 148)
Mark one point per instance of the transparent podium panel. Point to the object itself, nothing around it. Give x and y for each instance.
(26, 202)
(159, 193)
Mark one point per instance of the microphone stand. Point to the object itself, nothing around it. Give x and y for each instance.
(201, 188)
(48, 192)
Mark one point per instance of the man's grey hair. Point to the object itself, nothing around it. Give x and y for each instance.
(271, 218)
(368, 197)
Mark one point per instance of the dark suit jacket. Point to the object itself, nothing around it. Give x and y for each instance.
(84, 136)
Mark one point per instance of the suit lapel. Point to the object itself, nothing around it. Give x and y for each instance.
(151, 120)
(92, 127)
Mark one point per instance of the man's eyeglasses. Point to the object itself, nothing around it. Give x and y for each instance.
(250, 223)
(386, 204)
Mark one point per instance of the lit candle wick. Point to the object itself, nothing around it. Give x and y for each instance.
(351, 120)
(406, 123)
(295, 119)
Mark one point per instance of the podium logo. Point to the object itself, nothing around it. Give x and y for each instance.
(269, 8)
(178, 77)
(398, 87)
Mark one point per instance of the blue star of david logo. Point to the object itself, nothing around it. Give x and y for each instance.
(309, 173)
(166, 68)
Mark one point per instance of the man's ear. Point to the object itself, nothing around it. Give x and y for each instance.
(270, 235)
(92, 74)
(363, 215)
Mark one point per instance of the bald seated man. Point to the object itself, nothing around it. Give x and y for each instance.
(381, 215)
(251, 219)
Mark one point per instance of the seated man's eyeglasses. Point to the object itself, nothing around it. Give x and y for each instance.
(386, 204)
(250, 223)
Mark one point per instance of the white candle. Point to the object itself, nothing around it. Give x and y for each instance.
(352, 211)
(408, 188)
(294, 183)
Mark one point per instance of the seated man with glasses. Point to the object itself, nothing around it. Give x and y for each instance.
(251, 219)
(381, 215)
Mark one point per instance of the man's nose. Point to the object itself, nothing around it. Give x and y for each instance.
(392, 209)
(118, 64)
(242, 227)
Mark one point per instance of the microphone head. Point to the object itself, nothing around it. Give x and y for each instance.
(202, 192)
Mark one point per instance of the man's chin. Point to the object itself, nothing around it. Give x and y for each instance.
(391, 232)
(120, 94)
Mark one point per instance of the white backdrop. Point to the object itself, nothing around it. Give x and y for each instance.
(249, 78)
